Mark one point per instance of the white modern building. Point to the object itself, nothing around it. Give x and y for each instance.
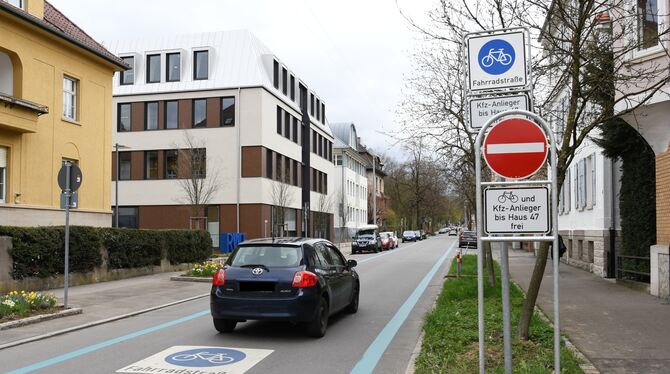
(219, 114)
(350, 182)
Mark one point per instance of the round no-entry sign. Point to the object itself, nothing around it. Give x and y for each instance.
(515, 148)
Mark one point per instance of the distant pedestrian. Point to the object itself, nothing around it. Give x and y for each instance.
(561, 248)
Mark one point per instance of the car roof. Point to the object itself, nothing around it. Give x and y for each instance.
(368, 227)
(291, 241)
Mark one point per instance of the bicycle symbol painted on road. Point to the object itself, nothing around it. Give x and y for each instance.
(205, 357)
(508, 195)
(496, 56)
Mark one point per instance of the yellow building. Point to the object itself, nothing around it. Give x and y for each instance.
(55, 104)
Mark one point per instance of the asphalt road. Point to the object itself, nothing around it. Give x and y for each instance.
(398, 287)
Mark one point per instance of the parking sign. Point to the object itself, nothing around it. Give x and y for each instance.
(497, 61)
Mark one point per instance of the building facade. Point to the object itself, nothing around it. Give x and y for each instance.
(380, 202)
(55, 105)
(210, 133)
(350, 182)
(646, 52)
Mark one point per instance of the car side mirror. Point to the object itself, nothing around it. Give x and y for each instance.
(352, 263)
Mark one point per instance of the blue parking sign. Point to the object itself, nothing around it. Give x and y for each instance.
(496, 57)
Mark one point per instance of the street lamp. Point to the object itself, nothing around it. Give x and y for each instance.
(117, 146)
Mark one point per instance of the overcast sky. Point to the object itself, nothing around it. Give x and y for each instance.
(354, 53)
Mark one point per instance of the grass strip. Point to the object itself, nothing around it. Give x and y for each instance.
(450, 343)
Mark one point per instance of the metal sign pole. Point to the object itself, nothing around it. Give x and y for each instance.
(507, 328)
(68, 194)
(480, 262)
(553, 238)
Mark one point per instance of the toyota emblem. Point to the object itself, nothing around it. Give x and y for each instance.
(257, 271)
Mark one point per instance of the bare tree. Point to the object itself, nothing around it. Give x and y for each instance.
(198, 184)
(322, 220)
(282, 198)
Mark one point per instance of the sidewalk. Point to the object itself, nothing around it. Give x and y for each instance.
(110, 299)
(619, 329)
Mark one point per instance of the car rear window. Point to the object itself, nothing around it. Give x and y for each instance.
(270, 256)
(384, 235)
(408, 233)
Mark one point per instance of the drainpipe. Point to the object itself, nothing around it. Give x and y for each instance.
(239, 158)
(613, 265)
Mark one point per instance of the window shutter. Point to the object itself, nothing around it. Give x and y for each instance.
(582, 183)
(593, 180)
(576, 185)
(568, 201)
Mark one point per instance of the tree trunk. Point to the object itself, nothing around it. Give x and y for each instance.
(489, 264)
(533, 290)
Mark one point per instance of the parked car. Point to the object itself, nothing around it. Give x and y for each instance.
(467, 239)
(389, 240)
(367, 239)
(409, 236)
(453, 231)
(418, 234)
(300, 280)
(443, 230)
(423, 234)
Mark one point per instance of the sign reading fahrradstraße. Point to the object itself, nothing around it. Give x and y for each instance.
(517, 210)
(497, 61)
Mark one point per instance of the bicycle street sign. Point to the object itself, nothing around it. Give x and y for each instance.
(497, 60)
(207, 360)
(517, 210)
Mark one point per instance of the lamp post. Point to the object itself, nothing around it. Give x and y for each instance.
(117, 146)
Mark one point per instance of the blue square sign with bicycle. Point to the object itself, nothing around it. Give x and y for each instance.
(497, 61)
(185, 359)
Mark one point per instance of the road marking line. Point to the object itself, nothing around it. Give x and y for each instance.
(385, 254)
(375, 351)
(106, 343)
(493, 149)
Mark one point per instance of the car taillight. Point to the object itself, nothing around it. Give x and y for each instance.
(461, 236)
(219, 278)
(304, 279)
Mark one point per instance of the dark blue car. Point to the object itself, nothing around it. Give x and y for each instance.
(289, 279)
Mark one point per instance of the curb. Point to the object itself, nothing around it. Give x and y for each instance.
(411, 368)
(96, 323)
(184, 278)
(39, 318)
(586, 365)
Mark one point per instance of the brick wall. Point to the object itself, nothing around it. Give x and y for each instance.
(663, 198)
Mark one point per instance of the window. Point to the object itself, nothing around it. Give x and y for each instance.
(16, 3)
(228, 111)
(199, 113)
(200, 65)
(151, 165)
(153, 68)
(338, 160)
(268, 163)
(124, 117)
(318, 109)
(275, 74)
(151, 116)
(173, 67)
(278, 168)
(3, 175)
(287, 125)
(287, 170)
(171, 114)
(311, 106)
(590, 181)
(124, 166)
(292, 87)
(70, 98)
(171, 163)
(284, 81)
(199, 163)
(128, 76)
(323, 113)
(279, 118)
(313, 141)
(128, 217)
(294, 134)
(647, 23)
(295, 173)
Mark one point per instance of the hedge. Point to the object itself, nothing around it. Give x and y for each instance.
(38, 251)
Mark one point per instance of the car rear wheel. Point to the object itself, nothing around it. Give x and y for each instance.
(353, 306)
(317, 327)
(224, 325)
